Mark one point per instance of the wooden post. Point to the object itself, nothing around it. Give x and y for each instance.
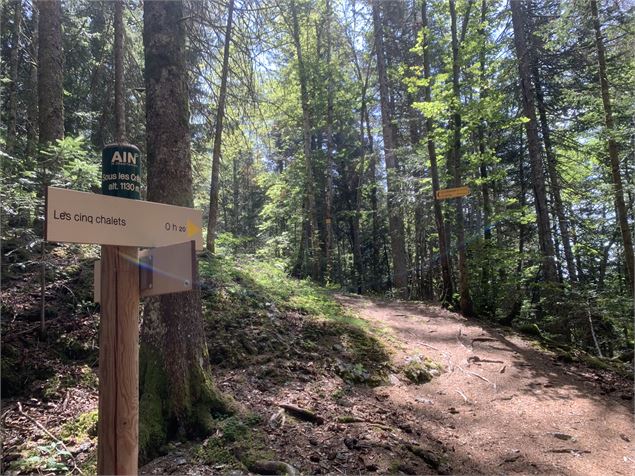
(118, 445)
(118, 427)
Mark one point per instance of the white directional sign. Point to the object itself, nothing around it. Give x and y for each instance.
(80, 217)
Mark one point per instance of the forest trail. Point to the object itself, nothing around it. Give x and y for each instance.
(501, 405)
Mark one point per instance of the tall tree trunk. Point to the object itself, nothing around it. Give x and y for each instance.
(535, 157)
(235, 197)
(486, 275)
(359, 173)
(520, 264)
(176, 388)
(613, 150)
(444, 258)
(50, 72)
(328, 205)
(358, 259)
(395, 218)
(374, 206)
(312, 221)
(120, 98)
(552, 171)
(212, 221)
(465, 301)
(32, 105)
(50, 104)
(14, 63)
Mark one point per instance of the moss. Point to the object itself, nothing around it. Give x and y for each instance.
(152, 421)
(419, 370)
(200, 403)
(82, 427)
(417, 373)
(208, 402)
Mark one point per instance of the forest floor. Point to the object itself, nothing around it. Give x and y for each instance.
(392, 387)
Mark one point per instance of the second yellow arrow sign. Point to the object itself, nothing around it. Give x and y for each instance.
(452, 192)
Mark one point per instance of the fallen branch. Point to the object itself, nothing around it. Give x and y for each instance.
(463, 395)
(431, 347)
(50, 435)
(474, 374)
(567, 450)
(302, 413)
(476, 358)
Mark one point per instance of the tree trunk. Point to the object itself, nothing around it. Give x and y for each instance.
(444, 258)
(50, 105)
(613, 150)
(120, 98)
(395, 218)
(535, 158)
(14, 63)
(32, 105)
(50, 72)
(465, 301)
(359, 173)
(554, 178)
(312, 221)
(212, 221)
(328, 205)
(176, 388)
(235, 198)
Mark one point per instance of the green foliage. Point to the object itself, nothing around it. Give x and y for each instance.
(49, 458)
(82, 427)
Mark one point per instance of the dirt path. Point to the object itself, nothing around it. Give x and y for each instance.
(502, 406)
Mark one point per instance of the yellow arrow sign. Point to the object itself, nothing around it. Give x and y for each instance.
(452, 192)
(192, 229)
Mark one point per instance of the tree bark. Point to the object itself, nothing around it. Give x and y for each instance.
(613, 150)
(395, 218)
(32, 105)
(535, 156)
(14, 63)
(328, 205)
(465, 301)
(312, 222)
(444, 258)
(212, 221)
(120, 98)
(50, 105)
(50, 72)
(177, 391)
(552, 170)
(486, 275)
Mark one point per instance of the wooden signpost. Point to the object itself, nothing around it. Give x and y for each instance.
(452, 193)
(122, 224)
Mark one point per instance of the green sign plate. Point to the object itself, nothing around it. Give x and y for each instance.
(121, 171)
